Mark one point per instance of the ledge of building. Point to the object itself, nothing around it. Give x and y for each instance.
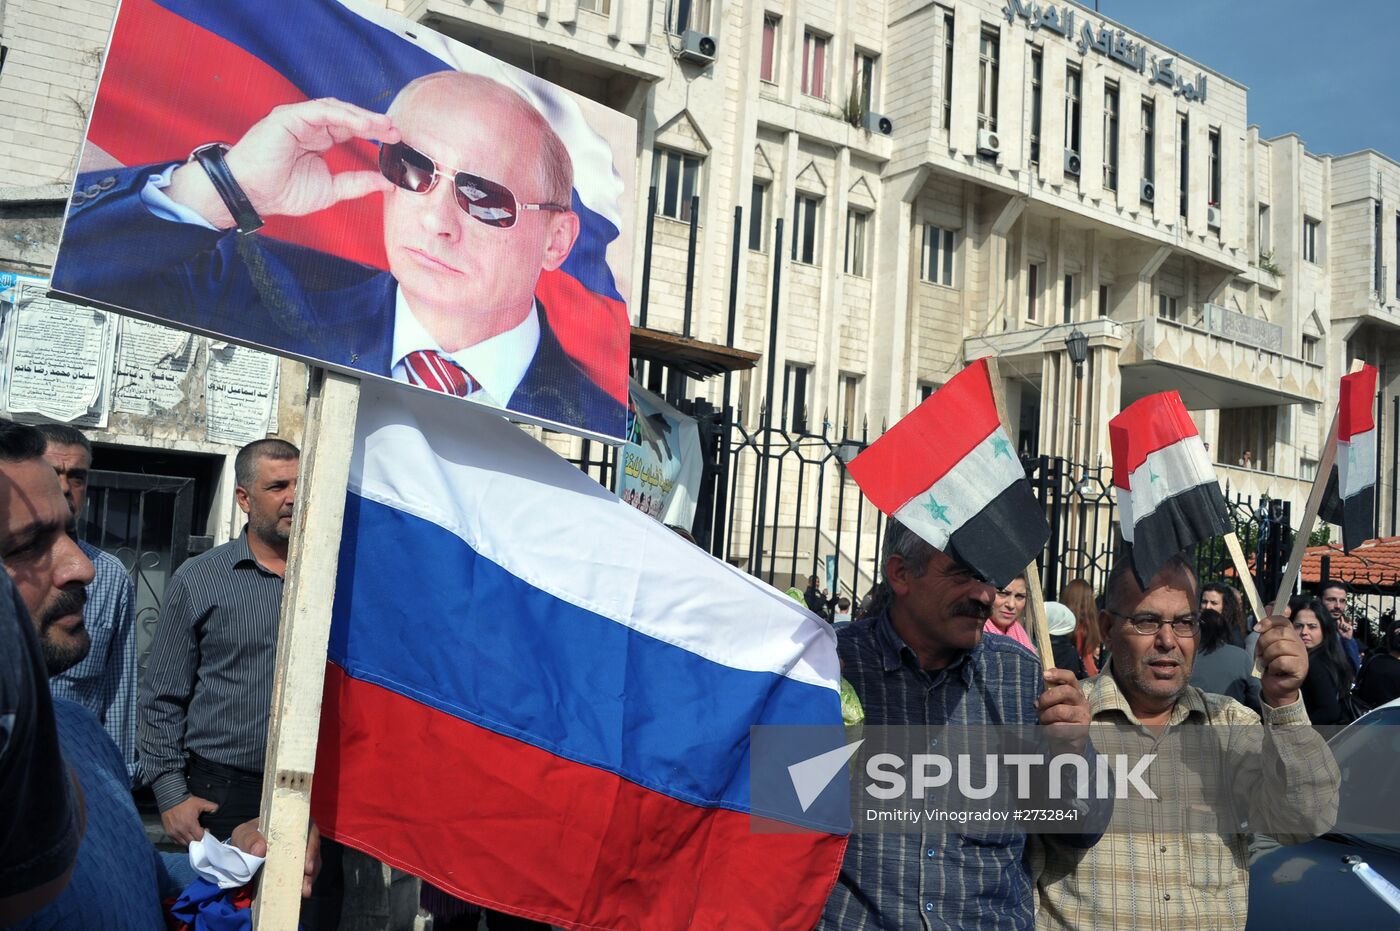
(34, 193)
(694, 357)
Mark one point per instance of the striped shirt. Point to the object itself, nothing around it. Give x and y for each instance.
(208, 688)
(105, 681)
(935, 878)
(1139, 876)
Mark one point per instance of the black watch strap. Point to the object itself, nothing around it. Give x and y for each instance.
(211, 159)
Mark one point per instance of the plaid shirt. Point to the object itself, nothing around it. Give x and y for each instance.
(935, 878)
(1139, 876)
(105, 681)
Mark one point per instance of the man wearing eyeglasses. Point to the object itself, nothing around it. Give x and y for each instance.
(477, 192)
(1181, 861)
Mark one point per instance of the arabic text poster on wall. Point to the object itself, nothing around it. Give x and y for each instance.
(153, 364)
(239, 384)
(60, 357)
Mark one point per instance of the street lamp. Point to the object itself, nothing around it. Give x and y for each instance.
(1078, 345)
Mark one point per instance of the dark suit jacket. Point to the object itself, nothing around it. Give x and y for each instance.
(288, 298)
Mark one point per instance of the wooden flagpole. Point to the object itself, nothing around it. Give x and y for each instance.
(1319, 489)
(1035, 597)
(304, 632)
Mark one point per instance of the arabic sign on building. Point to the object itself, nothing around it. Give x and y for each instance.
(1242, 328)
(1110, 43)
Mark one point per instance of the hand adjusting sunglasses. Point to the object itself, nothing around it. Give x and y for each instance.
(481, 199)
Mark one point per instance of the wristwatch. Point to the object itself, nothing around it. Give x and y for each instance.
(211, 158)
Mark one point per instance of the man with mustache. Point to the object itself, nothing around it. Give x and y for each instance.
(104, 682)
(1181, 862)
(477, 192)
(204, 704)
(919, 659)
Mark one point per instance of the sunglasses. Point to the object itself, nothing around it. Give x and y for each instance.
(481, 199)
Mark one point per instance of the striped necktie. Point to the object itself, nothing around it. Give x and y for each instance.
(430, 369)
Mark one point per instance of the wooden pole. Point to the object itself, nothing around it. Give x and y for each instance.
(304, 631)
(1035, 597)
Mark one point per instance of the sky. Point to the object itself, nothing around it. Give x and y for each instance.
(1325, 70)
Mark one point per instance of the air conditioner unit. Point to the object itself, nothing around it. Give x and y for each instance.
(1072, 163)
(988, 143)
(878, 123)
(697, 47)
(1213, 217)
(1148, 191)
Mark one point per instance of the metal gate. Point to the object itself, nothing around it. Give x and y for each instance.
(144, 521)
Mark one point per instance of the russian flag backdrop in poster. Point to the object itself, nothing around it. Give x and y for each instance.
(327, 284)
(549, 726)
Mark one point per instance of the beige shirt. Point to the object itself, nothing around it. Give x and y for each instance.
(1146, 871)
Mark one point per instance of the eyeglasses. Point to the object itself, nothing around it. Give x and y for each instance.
(1149, 624)
(480, 198)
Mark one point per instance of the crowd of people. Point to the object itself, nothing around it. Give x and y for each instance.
(934, 643)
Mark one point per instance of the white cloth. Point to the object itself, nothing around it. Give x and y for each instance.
(498, 364)
(222, 864)
(1058, 618)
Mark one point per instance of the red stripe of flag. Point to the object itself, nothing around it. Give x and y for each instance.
(1145, 426)
(1354, 407)
(720, 865)
(929, 441)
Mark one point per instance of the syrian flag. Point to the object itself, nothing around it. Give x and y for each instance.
(1350, 499)
(948, 472)
(1168, 496)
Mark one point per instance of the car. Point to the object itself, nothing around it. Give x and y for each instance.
(1321, 883)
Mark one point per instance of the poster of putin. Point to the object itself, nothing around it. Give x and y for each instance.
(329, 181)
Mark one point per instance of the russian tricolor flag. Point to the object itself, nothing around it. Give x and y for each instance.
(540, 699)
(1350, 498)
(1168, 496)
(182, 73)
(949, 472)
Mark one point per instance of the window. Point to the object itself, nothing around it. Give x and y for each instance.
(1265, 233)
(927, 388)
(806, 227)
(1184, 158)
(1149, 141)
(1310, 344)
(1310, 228)
(1397, 256)
(852, 407)
(1168, 307)
(1379, 272)
(758, 208)
(1213, 149)
(1307, 470)
(863, 80)
(691, 14)
(1032, 292)
(1037, 89)
(1110, 136)
(1247, 437)
(768, 58)
(1103, 300)
(937, 265)
(677, 179)
(988, 75)
(1073, 85)
(947, 70)
(1067, 299)
(814, 65)
(795, 396)
(856, 223)
(597, 6)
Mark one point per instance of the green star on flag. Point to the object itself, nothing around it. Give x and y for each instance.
(1001, 446)
(937, 511)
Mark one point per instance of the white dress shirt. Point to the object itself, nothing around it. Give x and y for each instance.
(498, 364)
